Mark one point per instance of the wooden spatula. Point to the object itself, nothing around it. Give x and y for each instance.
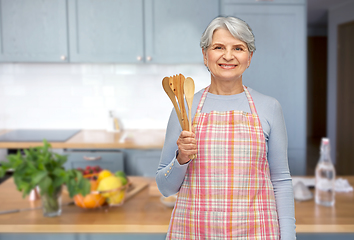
(174, 87)
(189, 95)
(171, 95)
(180, 96)
(189, 88)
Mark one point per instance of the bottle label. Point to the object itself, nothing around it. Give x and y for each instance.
(324, 185)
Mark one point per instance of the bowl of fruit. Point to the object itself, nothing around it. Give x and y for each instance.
(106, 188)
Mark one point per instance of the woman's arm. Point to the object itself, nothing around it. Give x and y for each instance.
(170, 173)
(280, 174)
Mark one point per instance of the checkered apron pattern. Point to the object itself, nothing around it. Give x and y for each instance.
(227, 192)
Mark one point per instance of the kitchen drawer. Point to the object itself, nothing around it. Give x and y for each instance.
(112, 160)
(142, 162)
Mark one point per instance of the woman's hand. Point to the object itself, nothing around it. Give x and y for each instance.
(187, 146)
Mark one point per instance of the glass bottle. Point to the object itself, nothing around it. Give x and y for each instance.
(325, 177)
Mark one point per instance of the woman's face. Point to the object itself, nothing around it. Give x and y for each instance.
(227, 57)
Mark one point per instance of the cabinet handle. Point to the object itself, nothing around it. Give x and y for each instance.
(92, 158)
(63, 57)
(148, 58)
(139, 58)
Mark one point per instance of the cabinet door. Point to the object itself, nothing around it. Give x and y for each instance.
(106, 31)
(278, 66)
(33, 31)
(110, 160)
(142, 162)
(173, 29)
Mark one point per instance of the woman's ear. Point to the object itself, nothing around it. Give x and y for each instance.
(250, 58)
(205, 58)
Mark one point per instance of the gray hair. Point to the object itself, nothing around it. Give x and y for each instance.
(237, 27)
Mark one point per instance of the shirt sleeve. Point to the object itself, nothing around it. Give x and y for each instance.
(170, 174)
(280, 174)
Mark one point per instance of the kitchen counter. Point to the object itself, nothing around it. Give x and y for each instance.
(144, 213)
(313, 218)
(101, 139)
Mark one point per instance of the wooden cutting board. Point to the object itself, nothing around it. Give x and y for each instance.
(153, 190)
(137, 184)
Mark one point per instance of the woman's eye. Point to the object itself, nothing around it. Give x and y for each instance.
(238, 49)
(217, 48)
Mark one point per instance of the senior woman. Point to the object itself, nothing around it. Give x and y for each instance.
(239, 186)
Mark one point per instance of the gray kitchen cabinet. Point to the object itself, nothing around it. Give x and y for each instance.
(134, 162)
(137, 31)
(142, 162)
(173, 29)
(112, 160)
(33, 31)
(278, 67)
(106, 31)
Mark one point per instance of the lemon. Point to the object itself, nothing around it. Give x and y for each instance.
(117, 198)
(109, 183)
(103, 174)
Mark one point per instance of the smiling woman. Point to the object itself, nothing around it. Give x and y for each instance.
(239, 186)
(226, 58)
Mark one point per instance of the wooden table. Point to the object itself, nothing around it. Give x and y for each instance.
(313, 218)
(140, 214)
(145, 214)
(88, 139)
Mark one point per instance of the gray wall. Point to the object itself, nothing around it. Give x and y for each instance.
(337, 15)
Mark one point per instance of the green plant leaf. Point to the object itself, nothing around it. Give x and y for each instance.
(4, 167)
(61, 159)
(2, 171)
(58, 182)
(38, 177)
(23, 186)
(15, 159)
(39, 166)
(45, 185)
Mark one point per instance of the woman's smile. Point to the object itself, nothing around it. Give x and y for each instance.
(227, 57)
(227, 66)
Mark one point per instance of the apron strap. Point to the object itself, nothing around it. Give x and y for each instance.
(250, 101)
(248, 95)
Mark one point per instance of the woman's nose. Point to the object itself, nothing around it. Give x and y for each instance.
(228, 55)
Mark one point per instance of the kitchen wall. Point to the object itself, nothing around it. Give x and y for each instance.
(58, 96)
(337, 15)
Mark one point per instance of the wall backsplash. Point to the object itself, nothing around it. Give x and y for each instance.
(58, 96)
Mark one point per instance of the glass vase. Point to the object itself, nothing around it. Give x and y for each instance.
(51, 203)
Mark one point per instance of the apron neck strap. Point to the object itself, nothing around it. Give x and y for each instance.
(248, 95)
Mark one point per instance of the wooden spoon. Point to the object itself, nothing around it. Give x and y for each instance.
(173, 88)
(171, 95)
(189, 95)
(178, 82)
(174, 82)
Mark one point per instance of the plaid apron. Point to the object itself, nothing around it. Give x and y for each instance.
(227, 192)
